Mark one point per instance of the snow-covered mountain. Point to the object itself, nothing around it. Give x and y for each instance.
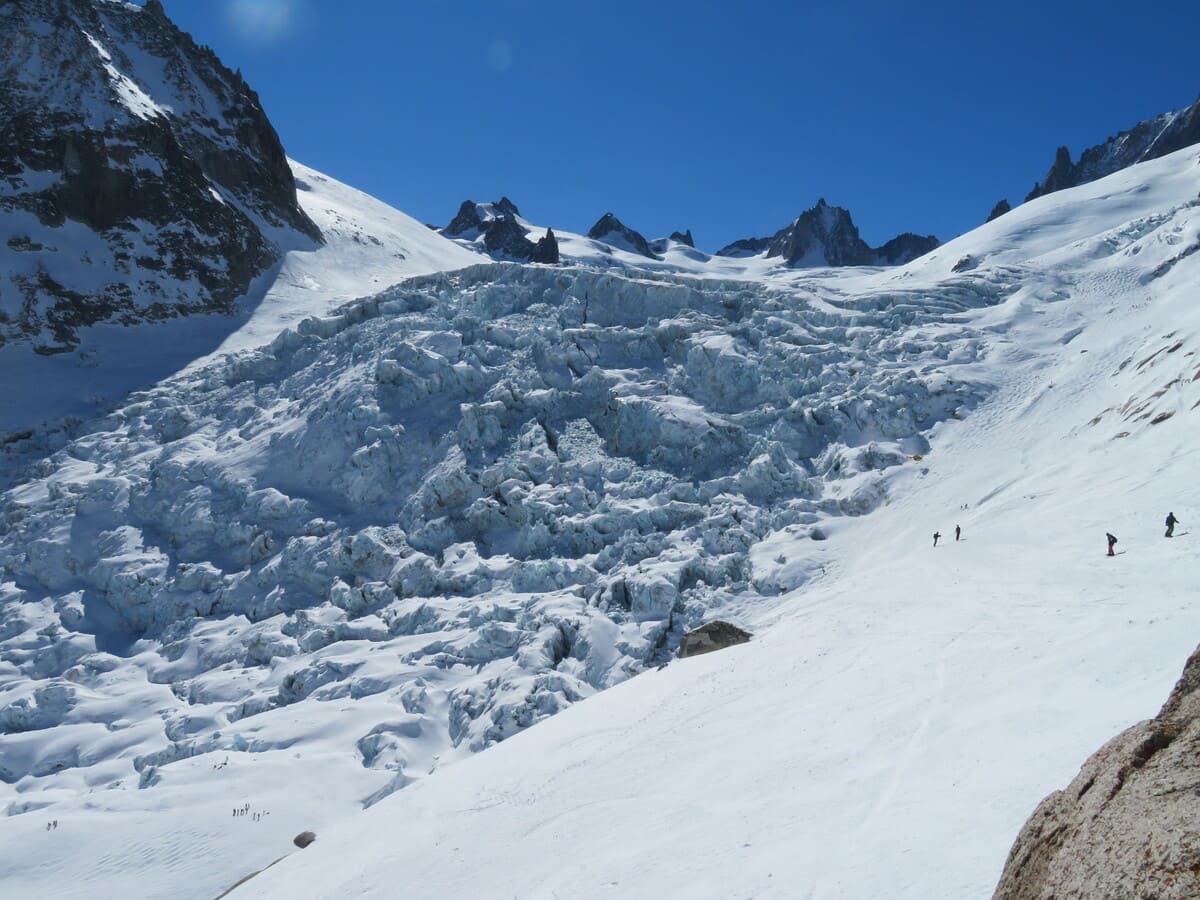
(1147, 140)
(498, 230)
(898, 716)
(404, 494)
(410, 529)
(826, 236)
(613, 231)
(139, 177)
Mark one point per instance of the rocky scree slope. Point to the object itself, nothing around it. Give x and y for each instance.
(519, 485)
(139, 177)
(1126, 826)
(826, 236)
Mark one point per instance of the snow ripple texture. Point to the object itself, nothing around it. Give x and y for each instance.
(482, 495)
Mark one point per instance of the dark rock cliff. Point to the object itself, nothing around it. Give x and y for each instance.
(1147, 140)
(827, 236)
(139, 177)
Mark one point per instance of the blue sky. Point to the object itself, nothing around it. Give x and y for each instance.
(726, 118)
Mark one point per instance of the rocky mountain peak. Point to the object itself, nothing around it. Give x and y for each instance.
(502, 232)
(684, 237)
(827, 236)
(613, 231)
(142, 180)
(1147, 140)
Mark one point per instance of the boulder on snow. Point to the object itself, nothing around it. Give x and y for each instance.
(714, 636)
(303, 839)
(1127, 826)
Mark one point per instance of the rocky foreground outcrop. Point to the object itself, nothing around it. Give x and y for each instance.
(1129, 824)
(139, 177)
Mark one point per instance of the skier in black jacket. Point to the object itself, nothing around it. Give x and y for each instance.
(1112, 542)
(1171, 523)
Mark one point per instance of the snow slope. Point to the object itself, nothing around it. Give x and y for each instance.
(892, 729)
(305, 576)
(368, 246)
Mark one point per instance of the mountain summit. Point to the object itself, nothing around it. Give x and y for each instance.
(827, 236)
(503, 232)
(1147, 140)
(139, 177)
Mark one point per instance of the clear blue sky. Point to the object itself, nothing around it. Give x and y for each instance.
(728, 118)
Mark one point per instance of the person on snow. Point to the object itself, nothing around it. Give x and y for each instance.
(1112, 542)
(957, 532)
(936, 535)
(1171, 523)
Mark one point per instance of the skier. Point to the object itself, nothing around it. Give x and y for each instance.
(957, 532)
(1171, 523)
(936, 535)
(1112, 542)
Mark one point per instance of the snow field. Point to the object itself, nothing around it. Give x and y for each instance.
(404, 531)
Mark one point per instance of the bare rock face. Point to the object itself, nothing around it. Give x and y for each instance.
(714, 636)
(303, 839)
(999, 209)
(1129, 824)
(1147, 140)
(503, 232)
(827, 236)
(139, 177)
(612, 230)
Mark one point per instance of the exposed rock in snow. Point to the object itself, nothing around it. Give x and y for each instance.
(546, 249)
(683, 237)
(1127, 825)
(139, 177)
(1147, 140)
(303, 839)
(612, 230)
(1001, 207)
(826, 236)
(711, 636)
(501, 231)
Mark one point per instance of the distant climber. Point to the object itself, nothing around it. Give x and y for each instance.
(936, 535)
(957, 532)
(1112, 542)
(1171, 523)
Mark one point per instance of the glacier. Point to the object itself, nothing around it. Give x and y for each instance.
(308, 572)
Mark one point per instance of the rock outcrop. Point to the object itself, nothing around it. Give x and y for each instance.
(999, 209)
(614, 232)
(303, 839)
(502, 232)
(745, 247)
(714, 636)
(1147, 140)
(827, 236)
(139, 177)
(905, 248)
(1129, 824)
(683, 237)
(546, 249)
